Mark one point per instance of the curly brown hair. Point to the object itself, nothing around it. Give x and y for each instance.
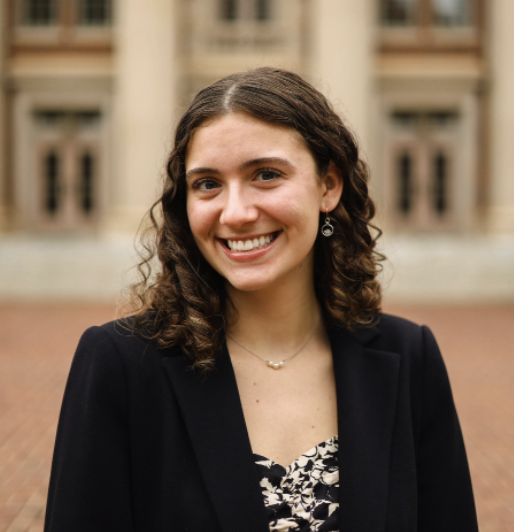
(185, 303)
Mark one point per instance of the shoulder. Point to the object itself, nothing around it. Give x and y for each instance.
(421, 361)
(118, 344)
(114, 335)
(391, 333)
(399, 332)
(413, 342)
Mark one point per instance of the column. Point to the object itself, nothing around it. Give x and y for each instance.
(3, 118)
(144, 105)
(341, 59)
(501, 212)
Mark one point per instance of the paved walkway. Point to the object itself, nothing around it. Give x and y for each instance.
(37, 343)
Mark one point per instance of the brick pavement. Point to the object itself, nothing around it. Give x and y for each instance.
(478, 347)
(36, 346)
(37, 343)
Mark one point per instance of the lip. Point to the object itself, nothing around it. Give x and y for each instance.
(247, 256)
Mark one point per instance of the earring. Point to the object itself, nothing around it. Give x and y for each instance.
(327, 229)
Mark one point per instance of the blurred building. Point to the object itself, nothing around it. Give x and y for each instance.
(91, 90)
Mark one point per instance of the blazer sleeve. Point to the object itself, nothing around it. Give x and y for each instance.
(444, 484)
(90, 480)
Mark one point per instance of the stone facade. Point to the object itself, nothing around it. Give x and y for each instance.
(91, 91)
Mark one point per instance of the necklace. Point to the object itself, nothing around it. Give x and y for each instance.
(277, 365)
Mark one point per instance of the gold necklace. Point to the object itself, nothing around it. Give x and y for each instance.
(277, 365)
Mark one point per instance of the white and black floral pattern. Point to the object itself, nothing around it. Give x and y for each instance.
(304, 496)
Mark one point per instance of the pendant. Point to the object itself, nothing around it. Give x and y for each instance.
(327, 229)
(275, 365)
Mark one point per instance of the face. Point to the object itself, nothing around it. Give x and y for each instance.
(253, 201)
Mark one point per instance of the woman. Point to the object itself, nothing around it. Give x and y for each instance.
(259, 387)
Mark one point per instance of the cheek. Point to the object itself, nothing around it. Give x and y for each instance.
(300, 210)
(201, 219)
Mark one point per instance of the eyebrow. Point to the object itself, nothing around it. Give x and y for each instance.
(265, 160)
(244, 166)
(201, 170)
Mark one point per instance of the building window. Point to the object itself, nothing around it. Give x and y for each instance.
(421, 172)
(86, 189)
(88, 118)
(452, 12)
(398, 12)
(262, 9)
(95, 12)
(440, 183)
(428, 13)
(405, 183)
(51, 197)
(39, 12)
(68, 172)
(245, 10)
(228, 9)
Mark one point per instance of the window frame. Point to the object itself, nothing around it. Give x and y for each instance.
(425, 36)
(20, 12)
(246, 11)
(79, 23)
(64, 35)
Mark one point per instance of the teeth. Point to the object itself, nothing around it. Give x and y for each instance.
(248, 245)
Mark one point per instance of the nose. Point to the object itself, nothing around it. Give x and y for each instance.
(238, 208)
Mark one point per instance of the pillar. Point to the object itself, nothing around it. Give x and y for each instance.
(3, 117)
(341, 61)
(144, 105)
(501, 212)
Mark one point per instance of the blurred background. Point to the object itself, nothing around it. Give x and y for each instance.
(90, 91)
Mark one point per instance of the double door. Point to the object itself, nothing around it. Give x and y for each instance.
(67, 169)
(421, 167)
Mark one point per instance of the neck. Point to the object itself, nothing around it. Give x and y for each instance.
(275, 319)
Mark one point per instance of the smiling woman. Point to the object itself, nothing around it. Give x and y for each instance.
(263, 185)
(258, 387)
(258, 154)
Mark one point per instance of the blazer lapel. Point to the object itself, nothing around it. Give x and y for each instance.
(366, 385)
(214, 418)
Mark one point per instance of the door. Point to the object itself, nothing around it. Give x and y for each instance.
(421, 167)
(67, 169)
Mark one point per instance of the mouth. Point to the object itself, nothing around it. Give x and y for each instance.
(250, 244)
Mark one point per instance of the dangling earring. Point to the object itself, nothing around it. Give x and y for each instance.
(327, 229)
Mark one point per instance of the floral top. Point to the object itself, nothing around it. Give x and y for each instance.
(304, 496)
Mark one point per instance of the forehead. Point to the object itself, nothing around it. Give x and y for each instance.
(241, 135)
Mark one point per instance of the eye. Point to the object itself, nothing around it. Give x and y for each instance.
(205, 185)
(267, 175)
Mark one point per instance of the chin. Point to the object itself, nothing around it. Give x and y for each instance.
(249, 285)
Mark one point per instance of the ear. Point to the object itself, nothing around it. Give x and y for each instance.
(332, 186)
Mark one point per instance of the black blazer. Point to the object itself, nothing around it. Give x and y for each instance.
(146, 445)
